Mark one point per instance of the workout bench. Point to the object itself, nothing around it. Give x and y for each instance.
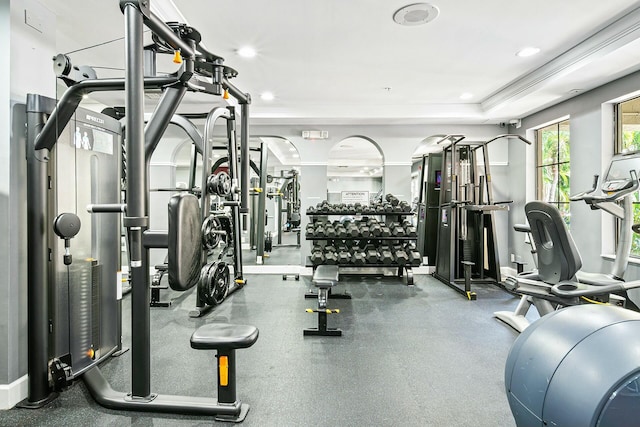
(226, 338)
(324, 278)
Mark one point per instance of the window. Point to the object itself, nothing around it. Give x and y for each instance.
(628, 139)
(552, 166)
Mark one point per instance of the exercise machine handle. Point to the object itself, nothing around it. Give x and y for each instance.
(106, 208)
(576, 289)
(581, 196)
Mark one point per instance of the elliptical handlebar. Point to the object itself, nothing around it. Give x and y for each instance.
(593, 200)
(581, 196)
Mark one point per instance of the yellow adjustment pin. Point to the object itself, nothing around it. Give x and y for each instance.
(223, 370)
(177, 57)
(239, 281)
(309, 310)
(225, 95)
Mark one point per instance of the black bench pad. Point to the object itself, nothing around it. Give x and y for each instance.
(325, 276)
(223, 336)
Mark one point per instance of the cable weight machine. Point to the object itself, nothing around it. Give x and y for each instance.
(467, 251)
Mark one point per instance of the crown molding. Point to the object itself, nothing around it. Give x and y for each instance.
(617, 34)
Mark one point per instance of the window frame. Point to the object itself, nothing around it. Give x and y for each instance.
(540, 165)
(618, 148)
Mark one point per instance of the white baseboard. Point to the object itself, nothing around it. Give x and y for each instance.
(11, 394)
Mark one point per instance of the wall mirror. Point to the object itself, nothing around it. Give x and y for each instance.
(355, 164)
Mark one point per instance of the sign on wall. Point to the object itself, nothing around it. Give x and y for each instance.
(351, 197)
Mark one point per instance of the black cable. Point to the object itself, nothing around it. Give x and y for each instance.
(99, 44)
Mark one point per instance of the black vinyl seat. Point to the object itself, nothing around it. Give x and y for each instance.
(326, 276)
(224, 336)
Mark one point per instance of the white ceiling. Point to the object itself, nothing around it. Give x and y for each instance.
(329, 61)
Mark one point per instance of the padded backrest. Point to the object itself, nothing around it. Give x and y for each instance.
(558, 257)
(184, 257)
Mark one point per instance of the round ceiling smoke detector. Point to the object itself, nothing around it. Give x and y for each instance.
(416, 14)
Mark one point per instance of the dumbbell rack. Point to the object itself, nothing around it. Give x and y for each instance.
(353, 269)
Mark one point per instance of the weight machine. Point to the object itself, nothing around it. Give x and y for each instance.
(200, 71)
(467, 251)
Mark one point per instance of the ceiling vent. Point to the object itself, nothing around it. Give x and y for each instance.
(315, 134)
(416, 14)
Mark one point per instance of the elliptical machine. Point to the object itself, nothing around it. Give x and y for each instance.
(615, 197)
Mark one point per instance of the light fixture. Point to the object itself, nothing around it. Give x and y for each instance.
(416, 14)
(466, 96)
(215, 156)
(366, 168)
(267, 96)
(295, 156)
(247, 52)
(527, 51)
(85, 96)
(292, 149)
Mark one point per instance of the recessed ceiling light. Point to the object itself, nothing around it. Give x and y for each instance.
(295, 156)
(528, 51)
(466, 95)
(416, 14)
(267, 96)
(247, 52)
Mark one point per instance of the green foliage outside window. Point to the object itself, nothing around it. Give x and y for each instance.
(553, 166)
(628, 136)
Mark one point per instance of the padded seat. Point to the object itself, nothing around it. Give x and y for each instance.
(223, 336)
(326, 276)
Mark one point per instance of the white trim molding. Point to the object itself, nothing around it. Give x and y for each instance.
(11, 394)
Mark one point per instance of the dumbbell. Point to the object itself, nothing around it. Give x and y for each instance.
(415, 258)
(352, 230)
(311, 210)
(344, 257)
(331, 258)
(396, 208)
(309, 232)
(385, 231)
(329, 231)
(392, 199)
(341, 247)
(386, 256)
(371, 256)
(411, 231)
(317, 257)
(405, 206)
(358, 257)
(365, 231)
(341, 231)
(401, 257)
(329, 248)
(380, 208)
(397, 231)
(375, 230)
(319, 230)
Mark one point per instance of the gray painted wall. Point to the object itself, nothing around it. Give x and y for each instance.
(28, 67)
(5, 226)
(592, 139)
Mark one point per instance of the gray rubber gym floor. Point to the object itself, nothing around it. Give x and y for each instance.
(409, 356)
